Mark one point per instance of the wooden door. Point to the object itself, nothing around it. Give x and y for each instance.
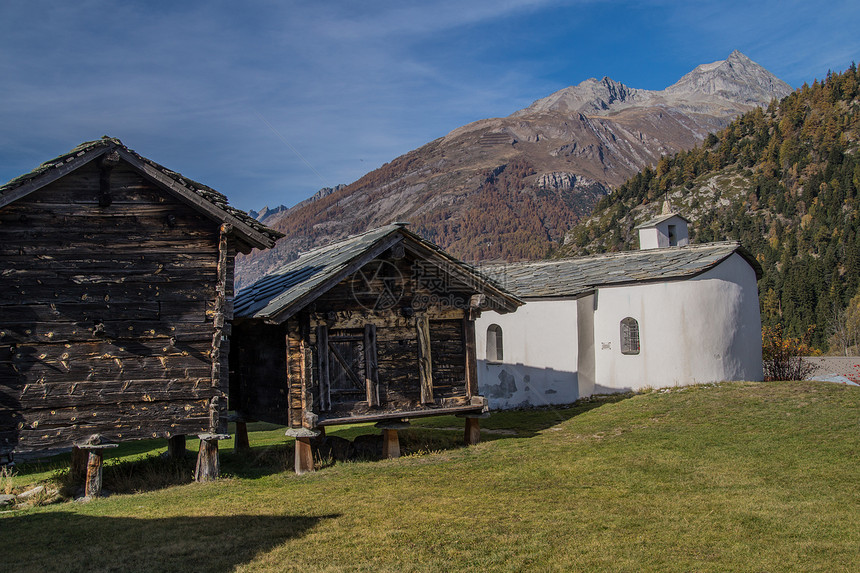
(347, 367)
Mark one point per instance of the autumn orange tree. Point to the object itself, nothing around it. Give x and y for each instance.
(783, 356)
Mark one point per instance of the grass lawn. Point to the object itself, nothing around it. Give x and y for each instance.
(731, 477)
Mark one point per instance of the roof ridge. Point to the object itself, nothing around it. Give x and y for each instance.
(630, 253)
(216, 198)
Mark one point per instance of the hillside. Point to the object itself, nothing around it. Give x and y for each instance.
(784, 181)
(509, 188)
(730, 477)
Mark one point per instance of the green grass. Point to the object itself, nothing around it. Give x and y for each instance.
(730, 477)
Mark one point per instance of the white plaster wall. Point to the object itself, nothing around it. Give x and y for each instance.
(657, 237)
(540, 356)
(705, 329)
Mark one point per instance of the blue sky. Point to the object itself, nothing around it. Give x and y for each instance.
(269, 101)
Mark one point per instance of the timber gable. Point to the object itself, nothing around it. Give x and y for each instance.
(117, 298)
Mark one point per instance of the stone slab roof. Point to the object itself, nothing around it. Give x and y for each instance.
(657, 220)
(215, 204)
(575, 277)
(285, 291)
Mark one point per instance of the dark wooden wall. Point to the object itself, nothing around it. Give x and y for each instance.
(258, 372)
(109, 315)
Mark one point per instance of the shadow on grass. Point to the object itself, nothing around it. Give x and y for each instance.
(67, 542)
(527, 423)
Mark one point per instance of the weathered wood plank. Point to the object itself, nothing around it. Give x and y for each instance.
(425, 361)
(371, 366)
(95, 330)
(323, 368)
(471, 358)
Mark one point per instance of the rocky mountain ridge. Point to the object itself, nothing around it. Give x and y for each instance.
(785, 182)
(511, 187)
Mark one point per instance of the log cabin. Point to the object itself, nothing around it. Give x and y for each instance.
(378, 327)
(117, 285)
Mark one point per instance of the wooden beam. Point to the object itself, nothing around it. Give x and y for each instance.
(371, 367)
(471, 357)
(425, 361)
(220, 316)
(322, 368)
(51, 175)
(94, 450)
(381, 417)
(250, 235)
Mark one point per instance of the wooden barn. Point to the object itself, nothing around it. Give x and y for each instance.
(378, 327)
(117, 284)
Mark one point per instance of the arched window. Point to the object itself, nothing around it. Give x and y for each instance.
(629, 336)
(494, 343)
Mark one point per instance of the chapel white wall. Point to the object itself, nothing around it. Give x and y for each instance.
(704, 329)
(540, 359)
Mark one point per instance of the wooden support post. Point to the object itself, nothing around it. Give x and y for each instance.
(241, 443)
(390, 437)
(94, 453)
(93, 486)
(472, 434)
(78, 467)
(208, 464)
(390, 444)
(176, 447)
(304, 460)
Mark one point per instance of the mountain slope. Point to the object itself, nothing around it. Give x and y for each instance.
(782, 181)
(509, 188)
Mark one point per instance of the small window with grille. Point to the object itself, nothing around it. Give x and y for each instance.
(629, 336)
(494, 343)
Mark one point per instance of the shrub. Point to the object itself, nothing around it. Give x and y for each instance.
(783, 355)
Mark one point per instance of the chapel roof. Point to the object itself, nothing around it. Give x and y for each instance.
(578, 276)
